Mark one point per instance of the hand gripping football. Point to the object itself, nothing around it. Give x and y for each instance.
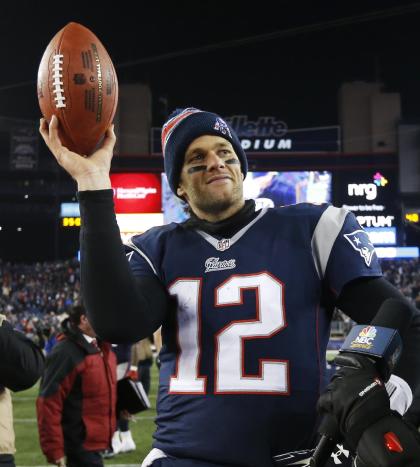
(77, 82)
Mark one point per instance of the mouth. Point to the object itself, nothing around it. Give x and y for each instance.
(218, 178)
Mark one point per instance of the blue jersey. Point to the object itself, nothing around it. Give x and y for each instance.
(243, 359)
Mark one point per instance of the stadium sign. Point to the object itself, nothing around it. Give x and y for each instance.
(376, 221)
(367, 190)
(412, 216)
(398, 252)
(69, 210)
(136, 192)
(382, 236)
(71, 222)
(268, 134)
(371, 196)
(24, 148)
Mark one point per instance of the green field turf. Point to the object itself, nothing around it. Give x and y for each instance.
(27, 442)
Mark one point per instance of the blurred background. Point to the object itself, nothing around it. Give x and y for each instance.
(327, 91)
(324, 97)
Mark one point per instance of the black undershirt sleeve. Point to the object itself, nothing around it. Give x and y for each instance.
(121, 308)
(21, 362)
(361, 300)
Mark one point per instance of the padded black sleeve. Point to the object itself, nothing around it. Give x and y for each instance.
(22, 362)
(121, 308)
(361, 300)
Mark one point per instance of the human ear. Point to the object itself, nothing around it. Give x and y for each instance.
(180, 191)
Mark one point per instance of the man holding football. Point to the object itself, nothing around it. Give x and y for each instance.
(245, 299)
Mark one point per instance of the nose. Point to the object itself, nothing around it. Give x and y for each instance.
(214, 161)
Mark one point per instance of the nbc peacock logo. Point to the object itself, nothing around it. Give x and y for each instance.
(365, 338)
(368, 331)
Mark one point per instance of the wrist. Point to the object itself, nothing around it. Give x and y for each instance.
(94, 182)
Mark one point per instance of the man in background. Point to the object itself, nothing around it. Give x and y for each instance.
(142, 360)
(76, 403)
(21, 365)
(122, 440)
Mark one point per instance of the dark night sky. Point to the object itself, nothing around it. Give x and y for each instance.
(294, 76)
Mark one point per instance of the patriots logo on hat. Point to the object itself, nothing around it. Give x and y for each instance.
(221, 125)
(360, 241)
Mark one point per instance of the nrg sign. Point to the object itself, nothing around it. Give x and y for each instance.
(371, 197)
(367, 190)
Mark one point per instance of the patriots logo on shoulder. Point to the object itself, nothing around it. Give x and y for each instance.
(360, 241)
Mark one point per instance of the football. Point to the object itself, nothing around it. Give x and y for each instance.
(77, 82)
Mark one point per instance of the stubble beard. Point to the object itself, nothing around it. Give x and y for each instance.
(216, 205)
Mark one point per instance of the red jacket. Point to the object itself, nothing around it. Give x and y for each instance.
(76, 404)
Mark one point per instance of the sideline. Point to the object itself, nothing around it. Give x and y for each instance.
(34, 420)
(33, 398)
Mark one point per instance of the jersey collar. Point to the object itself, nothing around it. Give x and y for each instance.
(222, 244)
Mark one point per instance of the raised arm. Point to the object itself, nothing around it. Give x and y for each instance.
(120, 307)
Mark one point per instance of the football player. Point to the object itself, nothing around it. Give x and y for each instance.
(244, 298)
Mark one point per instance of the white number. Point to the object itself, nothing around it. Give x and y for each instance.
(230, 341)
(229, 366)
(186, 379)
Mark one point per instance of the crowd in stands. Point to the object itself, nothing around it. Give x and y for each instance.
(35, 297)
(405, 275)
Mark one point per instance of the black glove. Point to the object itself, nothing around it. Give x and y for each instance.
(356, 397)
(403, 443)
(412, 418)
(412, 415)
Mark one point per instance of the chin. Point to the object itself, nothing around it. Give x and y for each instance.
(219, 202)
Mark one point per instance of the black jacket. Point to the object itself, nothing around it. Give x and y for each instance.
(21, 361)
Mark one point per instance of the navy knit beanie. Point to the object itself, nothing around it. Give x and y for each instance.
(183, 127)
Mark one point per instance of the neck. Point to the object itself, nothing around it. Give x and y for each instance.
(226, 227)
(86, 330)
(219, 215)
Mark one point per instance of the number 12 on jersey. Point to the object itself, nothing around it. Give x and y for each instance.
(230, 377)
